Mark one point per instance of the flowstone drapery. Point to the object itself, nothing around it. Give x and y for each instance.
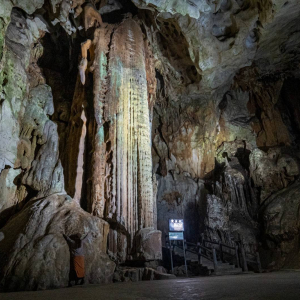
(122, 186)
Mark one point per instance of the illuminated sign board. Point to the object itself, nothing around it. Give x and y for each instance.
(176, 236)
(176, 225)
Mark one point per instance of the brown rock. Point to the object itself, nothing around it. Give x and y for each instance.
(34, 238)
(148, 244)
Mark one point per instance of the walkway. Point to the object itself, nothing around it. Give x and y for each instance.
(269, 286)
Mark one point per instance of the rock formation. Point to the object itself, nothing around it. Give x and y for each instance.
(118, 115)
(122, 189)
(40, 250)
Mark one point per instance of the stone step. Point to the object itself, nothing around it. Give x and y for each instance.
(220, 267)
(207, 266)
(234, 271)
(226, 267)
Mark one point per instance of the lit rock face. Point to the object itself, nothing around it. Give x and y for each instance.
(45, 172)
(34, 239)
(217, 82)
(34, 208)
(122, 178)
(18, 57)
(29, 140)
(132, 200)
(75, 144)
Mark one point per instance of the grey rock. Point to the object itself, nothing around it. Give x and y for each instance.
(34, 239)
(281, 214)
(111, 5)
(272, 171)
(148, 244)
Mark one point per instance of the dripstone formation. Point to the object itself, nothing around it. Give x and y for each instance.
(117, 115)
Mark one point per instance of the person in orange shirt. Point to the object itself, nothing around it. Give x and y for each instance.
(76, 246)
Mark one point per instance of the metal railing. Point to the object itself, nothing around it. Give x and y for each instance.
(212, 250)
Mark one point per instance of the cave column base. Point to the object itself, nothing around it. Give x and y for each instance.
(147, 245)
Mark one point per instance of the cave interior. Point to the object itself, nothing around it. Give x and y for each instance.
(119, 115)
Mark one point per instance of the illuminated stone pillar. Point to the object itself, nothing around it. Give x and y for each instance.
(130, 128)
(122, 163)
(100, 69)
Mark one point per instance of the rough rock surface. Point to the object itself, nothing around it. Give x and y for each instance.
(35, 254)
(31, 170)
(280, 214)
(217, 83)
(20, 53)
(147, 244)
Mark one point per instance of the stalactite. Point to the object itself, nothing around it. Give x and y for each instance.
(80, 160)
(101, 43)
(91, 16)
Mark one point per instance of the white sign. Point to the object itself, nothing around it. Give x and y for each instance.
(176, 225)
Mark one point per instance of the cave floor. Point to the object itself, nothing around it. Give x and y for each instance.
(276, 285)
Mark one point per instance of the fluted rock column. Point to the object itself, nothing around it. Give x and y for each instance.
(122, 178)
(130, 128)
(100, 67)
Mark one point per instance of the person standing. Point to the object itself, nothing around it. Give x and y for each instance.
(76, 246)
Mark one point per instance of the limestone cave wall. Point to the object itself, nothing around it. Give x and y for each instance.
(118, 115)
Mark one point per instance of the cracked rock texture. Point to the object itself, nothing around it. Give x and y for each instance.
(189, 109)
(33, 238)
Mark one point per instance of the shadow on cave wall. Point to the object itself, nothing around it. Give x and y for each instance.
(60, 68)
(289, 106)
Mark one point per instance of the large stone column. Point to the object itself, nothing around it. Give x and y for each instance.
(130, 128)
(122, 177)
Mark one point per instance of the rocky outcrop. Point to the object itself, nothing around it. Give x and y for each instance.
(33, 238)
(272, 171)
(34, 209)
(19, 56)
(280, 214)
(44, 173)
(147, 245)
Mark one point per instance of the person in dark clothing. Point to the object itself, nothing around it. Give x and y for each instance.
(77, 271)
